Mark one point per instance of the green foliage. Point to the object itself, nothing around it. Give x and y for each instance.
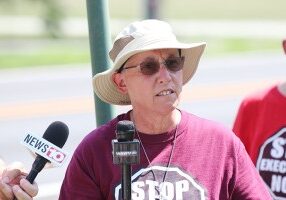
(51, 12)
(52, 17)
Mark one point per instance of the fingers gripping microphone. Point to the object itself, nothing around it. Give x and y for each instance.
(126, 151)
(57, 134)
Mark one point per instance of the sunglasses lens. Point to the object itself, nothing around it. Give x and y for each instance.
(174, 64)
(152, 66)
(149, 67)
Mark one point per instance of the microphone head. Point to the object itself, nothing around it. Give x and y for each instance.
(125, 131)
(57, 133)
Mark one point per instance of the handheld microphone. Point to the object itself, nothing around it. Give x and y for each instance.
(126, 151)
(55, 136)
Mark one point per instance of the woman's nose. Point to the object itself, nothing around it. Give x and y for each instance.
(164, 73)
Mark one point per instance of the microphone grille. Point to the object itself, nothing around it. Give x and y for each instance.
(57, 133)
(125, 130)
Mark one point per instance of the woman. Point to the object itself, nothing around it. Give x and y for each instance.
(182, 156)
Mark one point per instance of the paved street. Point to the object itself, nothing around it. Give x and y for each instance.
(32, 98)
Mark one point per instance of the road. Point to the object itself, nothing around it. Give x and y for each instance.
(32, 98)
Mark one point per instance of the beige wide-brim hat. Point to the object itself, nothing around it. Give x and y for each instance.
(136, 38)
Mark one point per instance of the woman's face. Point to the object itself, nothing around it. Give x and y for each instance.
(158, 92)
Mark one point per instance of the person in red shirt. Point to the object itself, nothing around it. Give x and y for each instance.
(261, 125)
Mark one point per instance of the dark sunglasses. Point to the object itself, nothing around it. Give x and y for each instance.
(151, 65)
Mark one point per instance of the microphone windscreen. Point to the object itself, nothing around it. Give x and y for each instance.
(57, 133)
(125, 131)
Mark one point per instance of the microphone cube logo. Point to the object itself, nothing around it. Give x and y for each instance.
(58, 156)
(45, 149)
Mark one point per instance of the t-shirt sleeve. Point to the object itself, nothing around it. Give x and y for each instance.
(248, 183)
(240, 120)
(245, 122)
(78, 182)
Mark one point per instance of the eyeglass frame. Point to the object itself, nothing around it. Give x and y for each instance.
(138, 65)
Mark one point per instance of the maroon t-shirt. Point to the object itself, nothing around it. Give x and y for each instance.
(207, 162)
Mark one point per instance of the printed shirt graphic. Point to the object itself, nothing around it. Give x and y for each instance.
(271, 164)
(259, 125)
(147, 184)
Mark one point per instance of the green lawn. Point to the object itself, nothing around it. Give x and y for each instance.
(12, 60)
(39, 52)
(76, 50)
(71, 52)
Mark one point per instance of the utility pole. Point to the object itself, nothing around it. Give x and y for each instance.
(99, 39)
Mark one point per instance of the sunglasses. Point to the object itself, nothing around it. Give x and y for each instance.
(151, 65)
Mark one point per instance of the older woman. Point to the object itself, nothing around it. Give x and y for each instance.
(182, 156)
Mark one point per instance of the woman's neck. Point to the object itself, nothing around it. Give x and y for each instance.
(155, 124)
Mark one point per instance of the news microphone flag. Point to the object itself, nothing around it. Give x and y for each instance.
(44, 148)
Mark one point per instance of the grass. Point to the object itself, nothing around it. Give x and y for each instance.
(56, 52)
(224, 46)
(71, 51)
(31, 52)
(42, 58)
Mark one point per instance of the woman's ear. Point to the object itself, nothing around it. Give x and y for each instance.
(119, 82)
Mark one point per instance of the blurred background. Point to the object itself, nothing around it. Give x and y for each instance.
(45, 69)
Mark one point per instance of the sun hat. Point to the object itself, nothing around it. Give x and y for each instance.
(138, 37)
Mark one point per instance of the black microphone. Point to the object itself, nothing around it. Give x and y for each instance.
(57, 134)
(125, 131)
(126, 151)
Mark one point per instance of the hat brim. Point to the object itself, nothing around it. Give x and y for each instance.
(106, 89)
